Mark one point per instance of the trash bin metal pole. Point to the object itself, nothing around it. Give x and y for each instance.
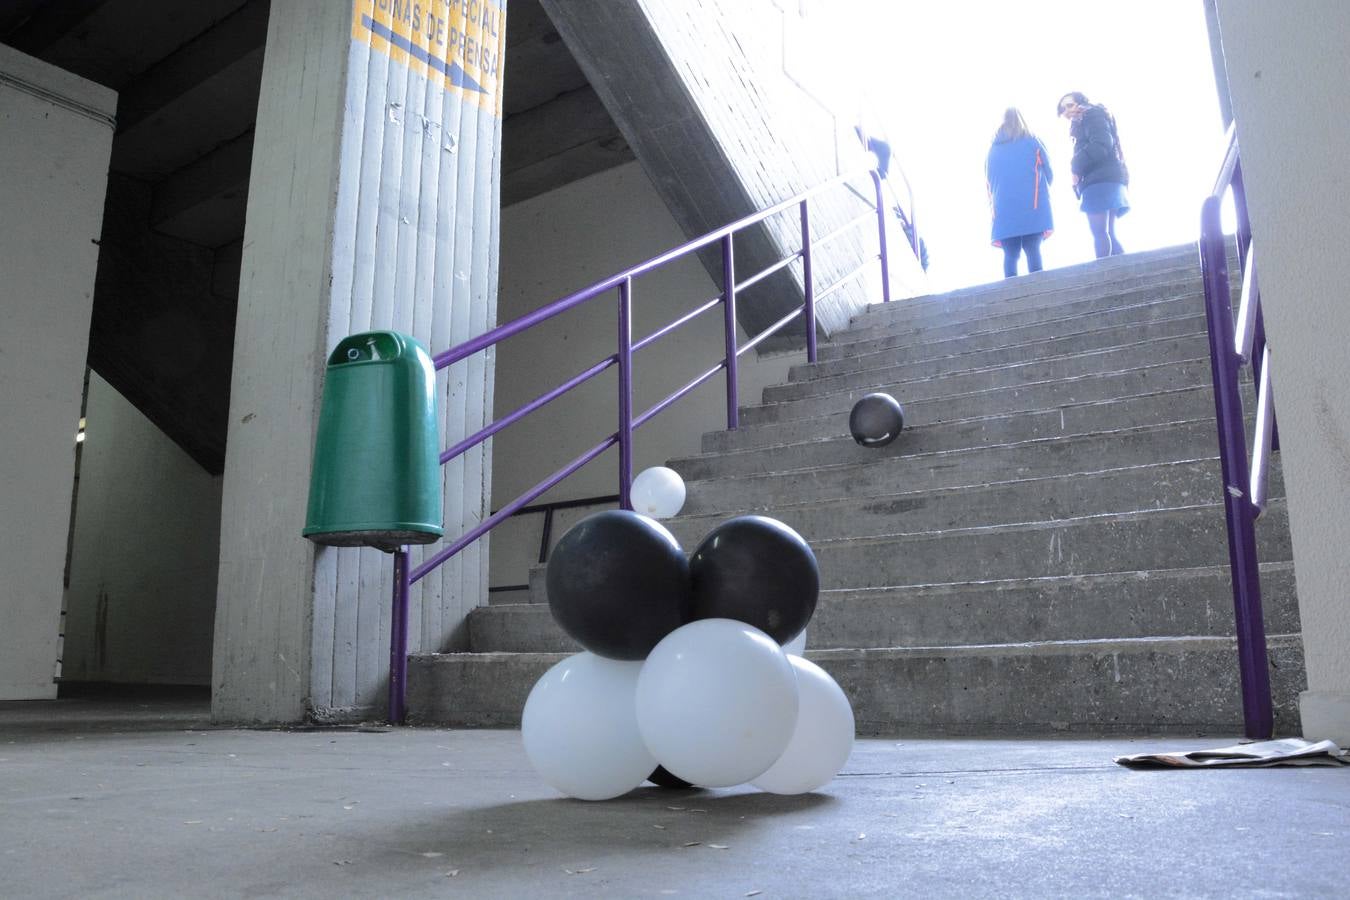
(625, 355)
(398, 639)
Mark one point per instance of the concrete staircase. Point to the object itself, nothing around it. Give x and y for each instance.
(1042, 549)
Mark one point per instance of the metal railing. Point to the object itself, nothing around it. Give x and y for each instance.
(628, 422)
(546, 531)
(1244, 496)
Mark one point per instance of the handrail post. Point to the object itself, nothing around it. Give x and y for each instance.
(1258, 366)
(808, 286)
(881, 237)
(1244, 222)
(1257, 710)
(398, 639)
(729, 319)
(546, 537)
(625, 393)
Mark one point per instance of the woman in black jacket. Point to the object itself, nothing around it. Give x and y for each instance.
(1098, 166)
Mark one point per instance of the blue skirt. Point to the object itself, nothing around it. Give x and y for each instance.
(1104, 196)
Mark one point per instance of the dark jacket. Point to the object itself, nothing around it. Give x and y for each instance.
(1096, 149)
(1018, 175)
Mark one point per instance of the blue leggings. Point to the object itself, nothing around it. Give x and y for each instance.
(1012, 250)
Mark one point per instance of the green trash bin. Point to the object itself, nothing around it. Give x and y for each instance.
(376, 479)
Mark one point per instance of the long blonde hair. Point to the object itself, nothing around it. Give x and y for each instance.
(1014, 127)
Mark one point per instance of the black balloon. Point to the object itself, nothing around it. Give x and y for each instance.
(876, 420)
(756, 570)
(618, 582)
(662, 778)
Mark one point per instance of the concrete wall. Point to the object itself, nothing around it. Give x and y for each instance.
(558, 243)
(142, 592)
(373, 203)
(1287, 74)
(55, 137)
(732, 106)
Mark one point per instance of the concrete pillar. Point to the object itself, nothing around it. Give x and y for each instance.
(1287, 73)
(56, 133)
(373, 203)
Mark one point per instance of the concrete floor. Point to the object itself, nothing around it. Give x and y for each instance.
(104, 798)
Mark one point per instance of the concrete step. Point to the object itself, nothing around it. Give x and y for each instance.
(1157, 486)
(1166, 538)
(1045, 499)
(920, 382)
(1178, 538)
(939, 358)
(1143, 686)
(1090, 277)
(899, 466)
(1087, 274)
(957, 321)
(922, 436)
(1019, 397)
(883, 475)
(1194, 601)
(985, 335)
(1139, 686)
(1102, 293)
(945, 438)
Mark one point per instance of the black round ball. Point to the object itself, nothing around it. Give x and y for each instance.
(662, 778)
(756, 570)
(618, 582)
(876, 420)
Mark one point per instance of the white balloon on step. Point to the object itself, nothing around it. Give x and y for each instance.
(796, 646)
(717, 702)
(580, 728)
(657, 492)
(822, 740)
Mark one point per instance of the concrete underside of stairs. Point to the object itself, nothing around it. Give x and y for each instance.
(1041, 551)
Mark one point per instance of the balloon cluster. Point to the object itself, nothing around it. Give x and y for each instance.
(684, 679)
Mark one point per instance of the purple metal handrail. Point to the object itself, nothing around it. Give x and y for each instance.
(1244, 486)
(405, 577)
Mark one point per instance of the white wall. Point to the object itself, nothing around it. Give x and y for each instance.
(142, 589)
(1287, 74)
(558, 243)
(55, 136)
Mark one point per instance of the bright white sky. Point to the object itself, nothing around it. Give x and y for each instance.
(951, 68)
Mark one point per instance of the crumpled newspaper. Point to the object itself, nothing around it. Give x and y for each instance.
(1286, 752)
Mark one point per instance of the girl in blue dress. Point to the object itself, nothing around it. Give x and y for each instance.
(1018, 175)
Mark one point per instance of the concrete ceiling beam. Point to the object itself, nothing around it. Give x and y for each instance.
(235, 37)
(205, 201)
(37, 25)
(546, 68)
(572, 119)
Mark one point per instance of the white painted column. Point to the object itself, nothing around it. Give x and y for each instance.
(1287, 71)
(55, 136)
(373, 204)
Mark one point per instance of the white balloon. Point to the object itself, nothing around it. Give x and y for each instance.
(822, 740)
(580, 728)
(796, 646)
(717, 702)
(657, 492)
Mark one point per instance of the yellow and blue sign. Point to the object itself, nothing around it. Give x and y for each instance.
(458, 43)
